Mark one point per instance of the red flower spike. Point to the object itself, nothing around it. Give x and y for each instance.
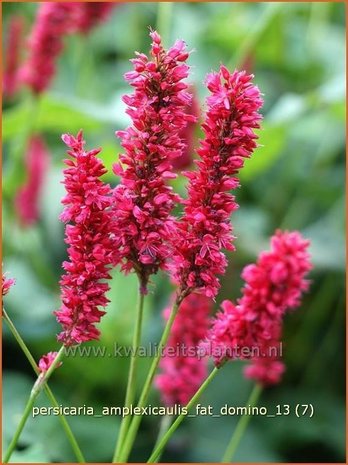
(87, 207)
(53, 22)
(205, 229)
(143, 200)
(273, 286)
(183, 371)
(90, 14)
(27, 198)
(12, 55)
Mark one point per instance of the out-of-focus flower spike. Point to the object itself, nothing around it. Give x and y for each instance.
(6, 284)
(27, 200)
(12, 55)
(182, 370)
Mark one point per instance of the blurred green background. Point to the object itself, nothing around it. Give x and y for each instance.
(295, 180)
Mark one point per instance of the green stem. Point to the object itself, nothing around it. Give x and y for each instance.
(37, 388)
(131, 385)
(162, 443)
(164, 14)
(241, 426)
(165, 424)
(70, 435)
(132, 431)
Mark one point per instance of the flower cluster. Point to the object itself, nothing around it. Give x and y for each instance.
(272, 286)
(53, 22)
(143, 200)
(87, 206)
(27, 198)
(46, 361)
(6, 284)
(205, 228)
(14, 41)
(182, 370)
(266, 371)
(90, 14)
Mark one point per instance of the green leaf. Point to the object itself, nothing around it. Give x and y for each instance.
(272, 142)
(30, 303)
(288, 107)
(61, 113)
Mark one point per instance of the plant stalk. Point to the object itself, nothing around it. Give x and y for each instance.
(132, 431)
(37, 388)
(69, 434)
(165, 438)
(164, 425)
(131, 384)
(241, 426)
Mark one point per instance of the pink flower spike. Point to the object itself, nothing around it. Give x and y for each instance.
(183, 371)
(229, 127)
(143, 201)
(53, 22)
(90, 14)
(13, 46)
(265, 371)
(46, 361)
(6, 284)
(87, 208)
(273, 285)
(28, 197)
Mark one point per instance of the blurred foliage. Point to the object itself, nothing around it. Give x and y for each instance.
(295, 180)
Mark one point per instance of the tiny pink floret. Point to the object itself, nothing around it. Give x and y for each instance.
(46, 361)
(6, 284)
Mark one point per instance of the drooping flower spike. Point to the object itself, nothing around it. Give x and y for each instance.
(28, 196)
(143, 200)
(205, 229)
(87, 209)
(273, 286)
(182, 370)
